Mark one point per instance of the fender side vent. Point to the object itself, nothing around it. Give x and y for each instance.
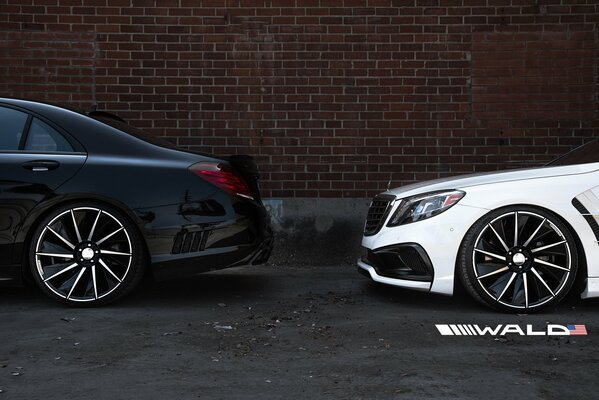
(587, 216)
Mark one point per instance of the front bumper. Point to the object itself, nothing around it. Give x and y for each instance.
(370, 271)
(405, 261)
(440, 237)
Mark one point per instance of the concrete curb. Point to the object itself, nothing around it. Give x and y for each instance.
(317, 231)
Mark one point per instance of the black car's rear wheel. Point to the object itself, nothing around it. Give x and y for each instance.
(86, 254)
(518, 259)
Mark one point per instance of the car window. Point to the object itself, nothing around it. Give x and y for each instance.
(43, 138)
(12, 124)
(587, 153)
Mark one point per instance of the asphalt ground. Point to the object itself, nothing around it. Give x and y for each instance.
(282, 332)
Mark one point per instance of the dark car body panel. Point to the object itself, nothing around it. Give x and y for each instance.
(22, 190)
(150, 183)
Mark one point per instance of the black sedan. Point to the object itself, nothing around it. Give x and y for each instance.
(88, 204)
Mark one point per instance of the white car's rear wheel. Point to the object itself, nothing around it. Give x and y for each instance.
(518, 259)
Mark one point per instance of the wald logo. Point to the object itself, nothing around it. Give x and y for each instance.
(502, 330)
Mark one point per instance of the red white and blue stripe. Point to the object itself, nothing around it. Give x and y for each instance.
(577, 330)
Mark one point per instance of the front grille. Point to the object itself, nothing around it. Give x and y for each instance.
(377, 213)
(190, 242)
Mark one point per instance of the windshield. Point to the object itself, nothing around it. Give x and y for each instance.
(122, 126)
(587, 153)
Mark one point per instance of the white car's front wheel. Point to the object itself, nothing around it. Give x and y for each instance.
(518, 259)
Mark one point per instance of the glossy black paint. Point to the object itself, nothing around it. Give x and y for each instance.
(150, 183)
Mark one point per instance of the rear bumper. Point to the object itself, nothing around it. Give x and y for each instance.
(211, 260)
(244, 238)
(11, 275)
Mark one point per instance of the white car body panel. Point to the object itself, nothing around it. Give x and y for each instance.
(552, 188)
(383, 279)
(484, 178)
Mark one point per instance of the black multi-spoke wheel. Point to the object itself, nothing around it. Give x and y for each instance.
(518, 259)
(86, 254)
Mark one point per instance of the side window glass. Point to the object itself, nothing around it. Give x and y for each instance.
(44, 138)
(12, 124)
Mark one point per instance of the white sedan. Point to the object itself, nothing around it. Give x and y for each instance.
(517, 240)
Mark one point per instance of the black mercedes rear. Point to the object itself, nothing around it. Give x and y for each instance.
(177, 211)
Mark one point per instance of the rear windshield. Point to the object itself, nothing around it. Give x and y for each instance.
(587, 153)
(122, 126)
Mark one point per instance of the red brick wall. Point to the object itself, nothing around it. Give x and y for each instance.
(333, 97)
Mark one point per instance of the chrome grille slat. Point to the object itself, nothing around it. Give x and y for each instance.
(377, 213)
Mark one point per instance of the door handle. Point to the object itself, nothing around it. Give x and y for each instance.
(41, 165)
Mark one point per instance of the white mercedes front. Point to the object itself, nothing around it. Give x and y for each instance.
(516, 239)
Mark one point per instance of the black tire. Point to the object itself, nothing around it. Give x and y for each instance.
(537, 271)
(86, 254)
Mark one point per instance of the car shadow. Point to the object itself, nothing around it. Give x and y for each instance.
(462, 302)
(421, 301)
(242, 285)
(208, 287)
(216, 286)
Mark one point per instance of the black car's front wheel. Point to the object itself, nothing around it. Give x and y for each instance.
(86, 254)
(518, 259)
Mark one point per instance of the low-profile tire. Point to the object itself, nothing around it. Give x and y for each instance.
(86, 254)
(521, 270)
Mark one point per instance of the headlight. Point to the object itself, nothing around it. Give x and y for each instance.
(423, 206)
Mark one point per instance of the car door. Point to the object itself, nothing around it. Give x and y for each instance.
(36, 157)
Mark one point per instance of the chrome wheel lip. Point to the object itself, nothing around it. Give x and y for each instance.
(555, 292)
(82, 268)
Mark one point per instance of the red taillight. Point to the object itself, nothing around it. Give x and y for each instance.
(223, 176)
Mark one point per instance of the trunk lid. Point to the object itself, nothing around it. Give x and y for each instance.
(247, 168)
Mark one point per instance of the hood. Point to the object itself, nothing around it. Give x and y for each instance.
(465, 181)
